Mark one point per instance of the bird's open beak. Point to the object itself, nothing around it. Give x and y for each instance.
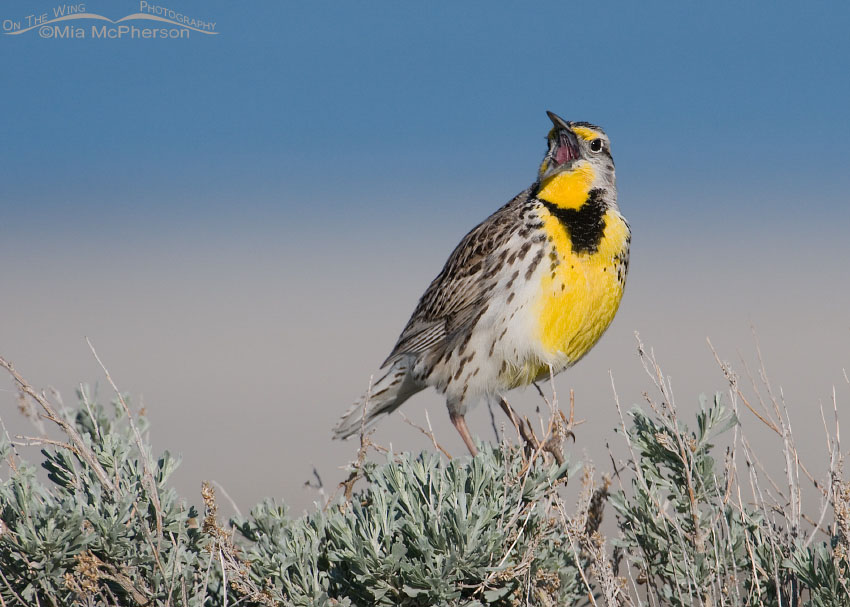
(563, 149)
(559, 122)
(566, 144)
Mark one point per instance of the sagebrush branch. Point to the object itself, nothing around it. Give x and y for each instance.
(81, 449)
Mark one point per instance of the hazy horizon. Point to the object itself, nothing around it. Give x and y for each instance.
(240, 368)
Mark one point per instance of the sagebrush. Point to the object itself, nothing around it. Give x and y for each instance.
(695, 526)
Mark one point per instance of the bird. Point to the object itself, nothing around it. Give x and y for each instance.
(525, 294)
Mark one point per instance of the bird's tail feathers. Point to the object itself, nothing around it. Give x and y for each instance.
(385, 395)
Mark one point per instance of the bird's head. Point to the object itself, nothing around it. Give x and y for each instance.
(581, 149)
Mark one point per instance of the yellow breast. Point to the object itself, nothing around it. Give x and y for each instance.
(580, 292)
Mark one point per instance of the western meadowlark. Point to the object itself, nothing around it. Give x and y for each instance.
(532, 288)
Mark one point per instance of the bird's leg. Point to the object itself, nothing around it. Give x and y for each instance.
(523, 426)
(552, 445)
(460, 423)
(524, 429)
(510, 413)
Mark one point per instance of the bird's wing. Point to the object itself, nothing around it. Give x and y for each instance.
(455, 297)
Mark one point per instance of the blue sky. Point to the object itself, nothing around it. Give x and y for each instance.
(243, 222)
(360, 110)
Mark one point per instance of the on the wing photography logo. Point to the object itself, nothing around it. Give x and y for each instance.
(151, 21)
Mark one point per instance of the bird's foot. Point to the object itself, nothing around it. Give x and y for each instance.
(553, 441)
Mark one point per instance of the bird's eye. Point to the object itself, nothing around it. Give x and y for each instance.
(596, 145)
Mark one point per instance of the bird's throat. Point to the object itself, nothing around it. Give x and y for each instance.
(569, 189)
